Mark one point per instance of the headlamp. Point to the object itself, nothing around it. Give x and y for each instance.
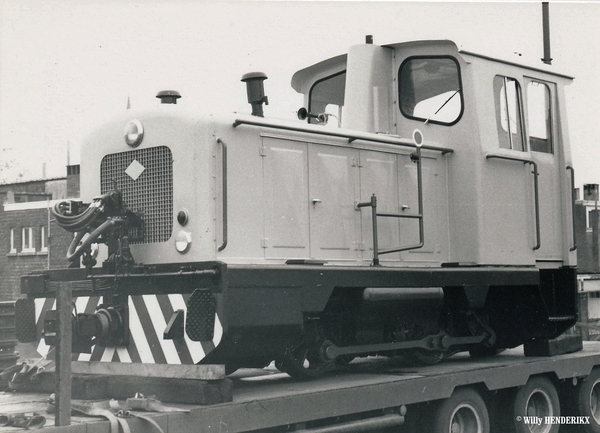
(134, 133)
(183, 241)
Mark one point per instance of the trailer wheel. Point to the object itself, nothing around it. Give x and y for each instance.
(463, 412)
(537, 398)
(588, 401)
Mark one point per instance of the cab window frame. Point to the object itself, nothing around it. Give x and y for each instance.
(312, 88)
(536, 143)
(459, 91)
(505, 133)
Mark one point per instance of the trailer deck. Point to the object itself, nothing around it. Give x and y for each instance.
(378, 387)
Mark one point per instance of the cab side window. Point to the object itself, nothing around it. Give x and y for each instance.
(327, 97)
(509, 116)
(539, 118)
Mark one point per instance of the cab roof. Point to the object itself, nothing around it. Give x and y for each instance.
(305, 78)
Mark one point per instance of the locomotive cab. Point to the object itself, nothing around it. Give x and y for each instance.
(491, 114)
(424, 207)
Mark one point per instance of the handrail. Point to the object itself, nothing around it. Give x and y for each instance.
(572, 170)
(366, 136)
(224, 172)
(535, 192)
(373, 205)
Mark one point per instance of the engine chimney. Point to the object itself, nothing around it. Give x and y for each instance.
(256, 91)
(168, 96)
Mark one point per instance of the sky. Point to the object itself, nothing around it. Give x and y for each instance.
(67, 65)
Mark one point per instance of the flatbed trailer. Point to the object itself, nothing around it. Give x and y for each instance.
(379, 394)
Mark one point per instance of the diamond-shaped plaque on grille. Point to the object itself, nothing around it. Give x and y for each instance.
(135, 169)
(200, 317)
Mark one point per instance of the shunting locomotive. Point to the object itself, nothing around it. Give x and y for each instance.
(422, 205)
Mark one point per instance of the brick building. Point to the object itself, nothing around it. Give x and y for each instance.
(587, 230)
(587, 227)
(30, 239)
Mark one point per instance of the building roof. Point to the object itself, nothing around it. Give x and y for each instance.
(32, 181)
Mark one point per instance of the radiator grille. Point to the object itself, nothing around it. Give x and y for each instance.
(148, 188)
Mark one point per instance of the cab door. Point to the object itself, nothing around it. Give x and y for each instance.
(508, 214)
(544, 152)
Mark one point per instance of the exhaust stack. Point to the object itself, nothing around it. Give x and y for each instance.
(256, 91)
(168, 96)
(547, 59)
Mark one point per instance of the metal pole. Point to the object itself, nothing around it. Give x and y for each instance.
(536, 193)
(63, 355)
(375, 241)
(420, 197)
(546, 29)
(47, 234)
(224, 193)
(373, 205)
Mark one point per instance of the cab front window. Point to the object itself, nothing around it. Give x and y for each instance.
(430, 90)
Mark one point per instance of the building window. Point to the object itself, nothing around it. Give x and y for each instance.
(509, 117)
(539, 117)
(13, 241)
(27, 240)
(43, 239)
(430, 90)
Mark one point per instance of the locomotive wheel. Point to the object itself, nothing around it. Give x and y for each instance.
(537, 398)
(463, 412)
(588, 401)
(300, 363)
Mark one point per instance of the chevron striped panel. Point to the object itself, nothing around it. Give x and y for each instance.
(148, 317)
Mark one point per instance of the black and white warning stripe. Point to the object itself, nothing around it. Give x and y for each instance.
(148, 317)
